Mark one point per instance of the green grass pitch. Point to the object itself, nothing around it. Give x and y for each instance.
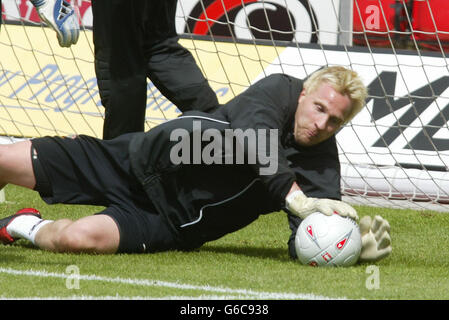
(252, 263)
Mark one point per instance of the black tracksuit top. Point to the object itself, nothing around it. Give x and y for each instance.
(203, 202)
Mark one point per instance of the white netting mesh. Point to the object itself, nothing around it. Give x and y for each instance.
(397, 148)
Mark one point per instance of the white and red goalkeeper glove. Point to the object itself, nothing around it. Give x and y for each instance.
(301, 205)
(376, 241)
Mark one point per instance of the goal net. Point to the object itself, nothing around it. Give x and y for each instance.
(394, 153)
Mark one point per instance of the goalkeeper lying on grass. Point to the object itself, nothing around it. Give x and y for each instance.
(194, 179)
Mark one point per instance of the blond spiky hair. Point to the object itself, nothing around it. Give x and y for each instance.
(344, 81)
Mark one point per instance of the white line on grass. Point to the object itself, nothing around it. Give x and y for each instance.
(118, 297)
(243, 293)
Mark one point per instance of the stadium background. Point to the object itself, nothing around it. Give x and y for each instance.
(400, 48)
(397, 148)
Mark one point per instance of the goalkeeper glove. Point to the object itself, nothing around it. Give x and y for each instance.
(376, 241)
(59, 15)
(300, 205)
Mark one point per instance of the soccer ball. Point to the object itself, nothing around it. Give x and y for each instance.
(323, 240)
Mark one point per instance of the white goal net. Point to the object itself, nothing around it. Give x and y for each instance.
(394, 153)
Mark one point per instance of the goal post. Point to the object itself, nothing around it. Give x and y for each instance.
(345, 19)
(394, 153)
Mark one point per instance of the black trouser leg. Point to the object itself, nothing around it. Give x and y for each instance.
(120, 65)
(171, 67)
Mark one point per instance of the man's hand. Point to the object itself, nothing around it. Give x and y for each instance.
(301, 205)
(59, 15)
(376, 241)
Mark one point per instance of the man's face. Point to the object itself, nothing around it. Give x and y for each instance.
(320, 114)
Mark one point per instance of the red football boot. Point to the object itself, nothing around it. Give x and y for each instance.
(5, 237)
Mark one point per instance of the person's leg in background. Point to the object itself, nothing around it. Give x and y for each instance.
(119, 64)
(171, 67)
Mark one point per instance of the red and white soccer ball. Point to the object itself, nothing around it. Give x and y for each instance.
(323, 240)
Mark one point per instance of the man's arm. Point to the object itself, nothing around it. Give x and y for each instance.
(301, 205)
(268, 106)
(263, 108)
(322, 183)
